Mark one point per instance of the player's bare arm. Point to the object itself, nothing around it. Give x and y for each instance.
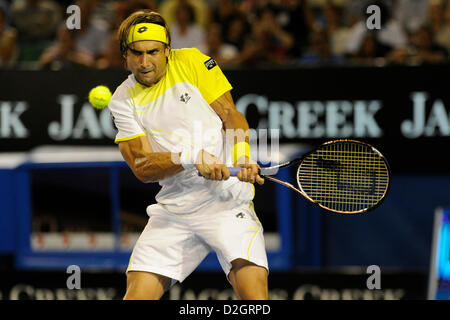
(235, 121)
(149, 166)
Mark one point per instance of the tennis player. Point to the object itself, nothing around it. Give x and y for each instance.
(171, 113)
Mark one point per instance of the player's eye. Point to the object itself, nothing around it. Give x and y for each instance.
(136, 52)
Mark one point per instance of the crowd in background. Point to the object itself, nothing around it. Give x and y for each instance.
(247, 33)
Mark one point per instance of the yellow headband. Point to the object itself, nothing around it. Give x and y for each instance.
(147, 31)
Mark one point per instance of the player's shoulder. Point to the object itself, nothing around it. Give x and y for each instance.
(187, 55)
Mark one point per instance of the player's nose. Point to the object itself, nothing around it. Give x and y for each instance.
(145, 60)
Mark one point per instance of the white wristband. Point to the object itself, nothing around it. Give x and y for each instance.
(188, 158)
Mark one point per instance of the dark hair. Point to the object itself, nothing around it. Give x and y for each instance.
(141, 16)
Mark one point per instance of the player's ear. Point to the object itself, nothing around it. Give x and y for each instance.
(125, 62)
(125, 54)
(124, 50)
(167, 51)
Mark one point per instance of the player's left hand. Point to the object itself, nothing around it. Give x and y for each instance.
(249, 171)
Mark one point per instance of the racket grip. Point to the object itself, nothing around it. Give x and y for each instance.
(233, 171)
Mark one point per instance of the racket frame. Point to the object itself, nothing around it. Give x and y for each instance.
(304, 194)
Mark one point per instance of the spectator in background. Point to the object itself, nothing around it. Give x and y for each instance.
(435, 15)
(37, 20)
(111, 57)
(222, 13)
(439, 18)
(223, 53)
(319, 52)
(5, 8)
(294, 17)
(443, 35)
(237, 32)
(268, 42)
(249, 7)
(8, 46)
(336, 30)
(123, 8)
(63, 55)
(422, 50)
(37, 24)
(184, 31)
(426, 49)
(92, 38)
(371, 51)
(263, 31)
(411, 14)
(391, 33)
(167, 9)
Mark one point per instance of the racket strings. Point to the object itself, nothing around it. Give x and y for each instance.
(344, 177)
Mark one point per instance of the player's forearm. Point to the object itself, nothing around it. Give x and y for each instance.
(233, 121)
(149, 166)
(237, 127)
(157, 166)
(238, 135)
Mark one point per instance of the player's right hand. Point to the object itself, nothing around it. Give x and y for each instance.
(211, 167)
(249, 171)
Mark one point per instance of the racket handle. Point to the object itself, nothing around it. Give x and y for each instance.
(233, 171)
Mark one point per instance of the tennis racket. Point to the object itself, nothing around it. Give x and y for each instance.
(343, 176)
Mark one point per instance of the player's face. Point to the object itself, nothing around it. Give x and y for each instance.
(148, 61)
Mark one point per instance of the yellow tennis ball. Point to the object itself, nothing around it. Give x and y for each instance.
(99, 97)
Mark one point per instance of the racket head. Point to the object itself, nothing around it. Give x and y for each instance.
(344, 176)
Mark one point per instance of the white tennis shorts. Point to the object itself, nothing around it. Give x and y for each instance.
(174, 245)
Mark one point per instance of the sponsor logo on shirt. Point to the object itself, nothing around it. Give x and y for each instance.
(210, 64)
(185, 97)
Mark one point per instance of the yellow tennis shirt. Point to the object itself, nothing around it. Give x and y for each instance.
(175, 114)
(192, 81)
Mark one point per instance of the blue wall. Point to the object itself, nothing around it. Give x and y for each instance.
(397, 234)
(7, 224)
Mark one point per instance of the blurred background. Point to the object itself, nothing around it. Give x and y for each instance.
(312, 70)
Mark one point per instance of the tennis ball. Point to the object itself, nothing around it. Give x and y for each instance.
(99, 97)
